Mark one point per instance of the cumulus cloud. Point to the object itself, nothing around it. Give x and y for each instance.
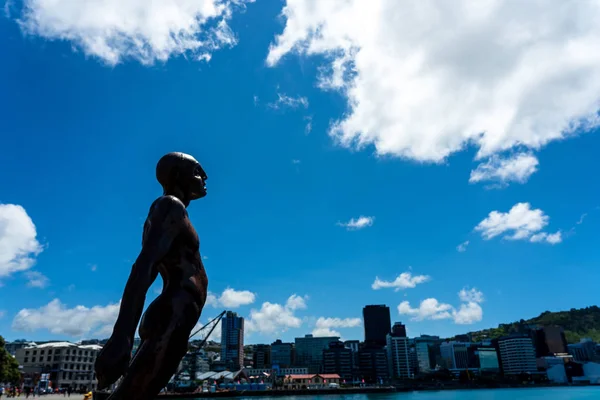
(517, 168)
(324, 326)
(468, 312)
(36, 279)
(274, 318)
(520, 223)
(232, 298)
(357, 223)
(284, 100)
(425, 79)
(18, 243)
(113, 30)
(403, 281)
(58, 319)
(461, 248)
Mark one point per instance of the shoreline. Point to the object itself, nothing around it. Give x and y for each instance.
(340, 391)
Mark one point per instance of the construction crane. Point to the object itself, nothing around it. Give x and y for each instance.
(217, 319)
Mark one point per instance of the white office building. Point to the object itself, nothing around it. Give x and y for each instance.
(454, 355)
(398, 355)
(66, 364)
(517, 355)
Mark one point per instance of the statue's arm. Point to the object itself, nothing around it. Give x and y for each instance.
(166, 220)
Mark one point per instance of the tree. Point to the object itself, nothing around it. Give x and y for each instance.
(9, 368)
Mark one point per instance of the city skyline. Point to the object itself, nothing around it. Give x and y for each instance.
(343, 168)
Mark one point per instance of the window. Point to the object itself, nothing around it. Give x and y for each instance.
(48, 359)
(33, 359)
(42, 352)
(50, 351)
(34, 352)
(26, 360)
(26, 352)
(57, 351)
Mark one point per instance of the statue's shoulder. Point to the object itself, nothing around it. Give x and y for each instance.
(168, 204)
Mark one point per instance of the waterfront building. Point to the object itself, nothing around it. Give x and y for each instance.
(309, 351)
(372, 364)
(337, 359)
(282, 354)
(65, 364)
(517, 354)
(398, 356)
(232, 341)
(261, 356)
(584, 351)
(377, 324)
(310, 381)
(483, 357)
(548, 341)
(12, 347)
(425, 352)
(454, 355)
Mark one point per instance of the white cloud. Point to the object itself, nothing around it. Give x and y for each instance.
(461, 248)
(323, 326)
(214, 336)
(36, 279)
(147, 31)
(552, 238)
(2, 314)
(469, 311)
(18, 243)
(357, 223)
(520, 223)
(295, 161)
(273, 318)
(295, 302)
(425, 79)
(93, 268)
(211, 300)
(472, 295)
(428, 309)
(58, 319)
(517, 168)
(403, 281)
(308, 127)
(581, 218)
(284, 100)
(232, 298)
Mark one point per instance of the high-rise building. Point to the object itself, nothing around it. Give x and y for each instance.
(232, 341)
(338, 359)
(398, 357)
(399, 329)
(372, 364)
(483, 357)
(585, 350)
(309, 351)
(548, 341)
(517, 354)
(424, 347)
(282, 354)
(454, 355)
(377, 324)
(261, 356)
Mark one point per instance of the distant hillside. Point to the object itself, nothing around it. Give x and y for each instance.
(577, 323)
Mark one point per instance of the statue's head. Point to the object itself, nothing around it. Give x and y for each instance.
(180, 173)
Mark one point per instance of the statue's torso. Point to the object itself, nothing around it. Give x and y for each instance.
(182, 265)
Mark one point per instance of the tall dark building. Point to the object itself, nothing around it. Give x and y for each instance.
(377, 324)
(373, 364)
(282, 354)
(549, 340)
(232, 341)
(338, 359)
(398, 330)
(261, 356)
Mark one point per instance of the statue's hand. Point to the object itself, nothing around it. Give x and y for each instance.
(113, 360)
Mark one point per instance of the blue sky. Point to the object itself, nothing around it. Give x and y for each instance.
(474, 178)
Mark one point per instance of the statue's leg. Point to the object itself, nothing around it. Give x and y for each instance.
(165, 331)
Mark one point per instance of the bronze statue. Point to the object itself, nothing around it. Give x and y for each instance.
(170, 246)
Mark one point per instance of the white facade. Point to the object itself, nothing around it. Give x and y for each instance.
(398, 349)
(68, 364)
(517, 355)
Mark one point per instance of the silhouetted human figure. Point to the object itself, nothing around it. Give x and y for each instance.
(170, 246)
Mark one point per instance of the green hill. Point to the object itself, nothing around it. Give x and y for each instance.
(577, 323)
